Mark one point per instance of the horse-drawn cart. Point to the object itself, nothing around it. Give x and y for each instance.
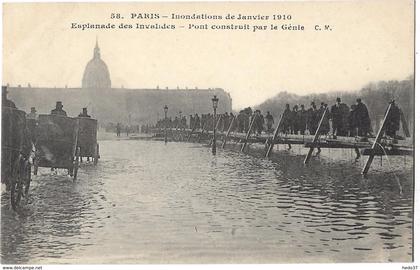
(16, 154)
(87, 139)
(57, 143)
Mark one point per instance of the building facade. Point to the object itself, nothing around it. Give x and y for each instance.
(107, 104)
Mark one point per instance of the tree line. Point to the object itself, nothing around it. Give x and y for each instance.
(375, 95)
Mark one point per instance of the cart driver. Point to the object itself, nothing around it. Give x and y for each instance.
(59, 109)
(32, 115)
(84, 113)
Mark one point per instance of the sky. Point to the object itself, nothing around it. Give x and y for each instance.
(369, 41)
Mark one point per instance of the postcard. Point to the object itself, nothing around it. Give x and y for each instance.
(208, 132)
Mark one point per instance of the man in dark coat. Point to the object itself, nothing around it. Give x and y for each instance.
(287, 115)
(325, 125)
(191, 121)
(294, 123)
(259, 122)
(118, 129)
(352, 123)
(312, 118)
(270, 121)
(337, 118)
(362, 118)
(301, 119)
(59, 109)
(196, 122)
(392, 125)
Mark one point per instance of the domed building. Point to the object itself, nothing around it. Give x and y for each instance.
(96, 73)
(123, 105)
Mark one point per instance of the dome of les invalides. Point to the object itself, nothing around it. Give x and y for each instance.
(96, 73)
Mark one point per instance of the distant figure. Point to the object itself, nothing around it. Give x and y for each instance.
(270, 122)
(183, 122)
(118, 129)
(392, 125)
(362, 119)
(301, 119)
(192, 124)
(196, 121)
(325, 125)
(32, 115)
(127, 130)
(259, 122)
(59, 109)
(175, 123)
(294, 124)
(352, 123)
(312, 118)
(287, 114)
(339, 114)
(84, 113)
(5, 101)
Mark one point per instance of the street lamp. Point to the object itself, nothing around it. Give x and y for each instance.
(165, 109)
(215, 100)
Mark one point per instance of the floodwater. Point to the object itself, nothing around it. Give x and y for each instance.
(147, 202)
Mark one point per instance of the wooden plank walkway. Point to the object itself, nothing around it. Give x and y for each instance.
(371, 147)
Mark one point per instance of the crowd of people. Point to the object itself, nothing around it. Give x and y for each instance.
(177, 122)
(337, 120)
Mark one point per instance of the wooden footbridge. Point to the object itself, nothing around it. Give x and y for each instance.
(375, 146)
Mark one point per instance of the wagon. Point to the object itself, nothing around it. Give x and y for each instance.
(87, 138)
(16, 153)
(56, 143)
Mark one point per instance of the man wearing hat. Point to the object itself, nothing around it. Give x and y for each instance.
(270, 121)
(339, 112)
(84, 113)
(362, 118)
(5, 101)
(59, 109)
(301, 117)
(392, 125)
(32, 114)
(312, 118)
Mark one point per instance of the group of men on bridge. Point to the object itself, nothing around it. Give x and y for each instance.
(338, 120)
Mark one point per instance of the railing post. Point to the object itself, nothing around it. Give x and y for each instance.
(228, 131)
(276, 132)
(317, 134)
(249, 132)
(377, 141)
(404, 124)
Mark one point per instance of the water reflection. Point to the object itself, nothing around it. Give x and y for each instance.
(147, 202)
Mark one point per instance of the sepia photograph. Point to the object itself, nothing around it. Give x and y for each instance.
(170, 133)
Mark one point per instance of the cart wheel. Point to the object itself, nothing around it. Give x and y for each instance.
(16, 183)
(76, 164)
(96, 156)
